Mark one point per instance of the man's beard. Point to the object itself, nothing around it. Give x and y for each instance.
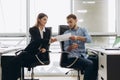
(73, 27)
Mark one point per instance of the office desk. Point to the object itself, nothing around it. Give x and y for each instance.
(4, 51)
(109, 63)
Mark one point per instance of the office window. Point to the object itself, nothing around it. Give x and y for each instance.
(12, 16)
(12, 22)
(57, 10)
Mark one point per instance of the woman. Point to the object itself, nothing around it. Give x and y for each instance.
(40, 36)
(39, 45)
(40, 39)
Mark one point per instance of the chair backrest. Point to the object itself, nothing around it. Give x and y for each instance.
(62, 29)
(64, 56)
(50, 28)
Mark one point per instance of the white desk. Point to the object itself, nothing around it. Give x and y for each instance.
(109, 63)
(4, 51)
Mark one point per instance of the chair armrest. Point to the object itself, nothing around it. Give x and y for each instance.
(91, 52)
(16, 53)
(65, 58)
(76, 58)
(64, 52)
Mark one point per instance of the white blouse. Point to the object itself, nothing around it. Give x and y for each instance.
(41, 32)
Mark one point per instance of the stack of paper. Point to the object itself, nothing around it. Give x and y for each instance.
(63, 37)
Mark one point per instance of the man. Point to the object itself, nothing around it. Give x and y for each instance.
(76, 47)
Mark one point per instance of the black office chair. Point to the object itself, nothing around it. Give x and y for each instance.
(64, 56)
(31, 66)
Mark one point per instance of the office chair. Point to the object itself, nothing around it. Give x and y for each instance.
(64, 56)
(31, 66)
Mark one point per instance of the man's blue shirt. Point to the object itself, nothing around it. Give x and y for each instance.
(80, 51)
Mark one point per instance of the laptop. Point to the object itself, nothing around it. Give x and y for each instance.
(115, 46)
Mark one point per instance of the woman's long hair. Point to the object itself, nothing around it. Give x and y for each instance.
(40, 16)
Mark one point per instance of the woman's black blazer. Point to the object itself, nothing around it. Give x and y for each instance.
(36, 41)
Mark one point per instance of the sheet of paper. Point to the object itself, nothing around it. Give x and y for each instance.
(63, 37)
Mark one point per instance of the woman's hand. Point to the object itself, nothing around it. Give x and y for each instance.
(43, 50)
(53, 40)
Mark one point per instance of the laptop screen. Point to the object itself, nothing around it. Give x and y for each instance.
(117, 42)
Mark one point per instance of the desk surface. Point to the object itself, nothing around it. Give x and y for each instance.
(4, 50)
(108, 52)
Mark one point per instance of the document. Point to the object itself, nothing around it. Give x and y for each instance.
(63, 37)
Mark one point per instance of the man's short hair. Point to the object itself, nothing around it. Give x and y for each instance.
(71, 16)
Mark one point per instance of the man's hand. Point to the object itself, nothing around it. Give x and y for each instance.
(73, 38)
(80, 38)
(73, 46)
(43, 50)
(53, 40)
